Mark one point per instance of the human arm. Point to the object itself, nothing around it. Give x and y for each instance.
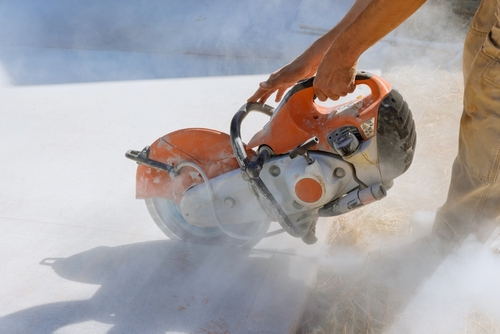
(307, 63)
(334, 56)
(337, 69)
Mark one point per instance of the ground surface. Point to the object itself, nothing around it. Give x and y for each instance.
(83, 83)
(79, 253)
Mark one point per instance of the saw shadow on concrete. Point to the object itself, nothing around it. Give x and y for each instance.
(166, 286)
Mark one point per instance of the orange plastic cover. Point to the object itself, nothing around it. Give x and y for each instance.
(308, 190)
(209, 149)
(300, 118)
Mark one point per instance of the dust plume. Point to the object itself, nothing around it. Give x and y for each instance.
(385, 274)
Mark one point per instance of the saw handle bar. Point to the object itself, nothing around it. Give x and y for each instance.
(235, 130)
(252, 169)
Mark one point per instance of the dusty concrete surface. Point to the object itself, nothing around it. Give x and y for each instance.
(74, 239)
(81, 255)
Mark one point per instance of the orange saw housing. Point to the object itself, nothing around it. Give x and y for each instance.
(299, 118)
(209, 149)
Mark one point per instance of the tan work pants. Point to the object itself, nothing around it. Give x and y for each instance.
(473, 203)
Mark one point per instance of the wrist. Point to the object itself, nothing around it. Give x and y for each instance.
(344, 52)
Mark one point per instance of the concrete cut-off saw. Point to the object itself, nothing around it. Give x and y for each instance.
(308, 161)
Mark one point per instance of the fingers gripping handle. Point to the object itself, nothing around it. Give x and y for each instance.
(376, 84)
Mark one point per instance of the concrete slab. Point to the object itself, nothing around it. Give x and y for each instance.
(80, 254)
(146, 287)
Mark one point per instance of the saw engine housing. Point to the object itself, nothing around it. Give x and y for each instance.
(308, 161)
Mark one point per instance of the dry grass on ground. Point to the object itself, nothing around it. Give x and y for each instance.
(354, 297)
(353, 302)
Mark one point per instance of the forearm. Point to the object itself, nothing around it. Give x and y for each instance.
(333, 57)
(315, 53)
(376, 20)
(336, 72)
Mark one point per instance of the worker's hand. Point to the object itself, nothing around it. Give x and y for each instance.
(281, 80)
(333, 80)
(335, 77)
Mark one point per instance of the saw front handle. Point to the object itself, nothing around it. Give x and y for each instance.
(252, 170)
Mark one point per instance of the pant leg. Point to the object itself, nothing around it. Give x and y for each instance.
(484, 19)
(473, 203)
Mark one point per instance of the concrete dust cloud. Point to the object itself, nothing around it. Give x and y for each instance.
(381, 275)
(432, 38)
(414, 288)
(462, 295)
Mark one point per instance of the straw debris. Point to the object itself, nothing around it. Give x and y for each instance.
(353, 301)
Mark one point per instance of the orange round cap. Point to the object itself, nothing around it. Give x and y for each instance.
(308, 190)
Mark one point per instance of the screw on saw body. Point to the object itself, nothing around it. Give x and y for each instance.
(303, 150)
(339, 172)
(274, 170)
(229, 202)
